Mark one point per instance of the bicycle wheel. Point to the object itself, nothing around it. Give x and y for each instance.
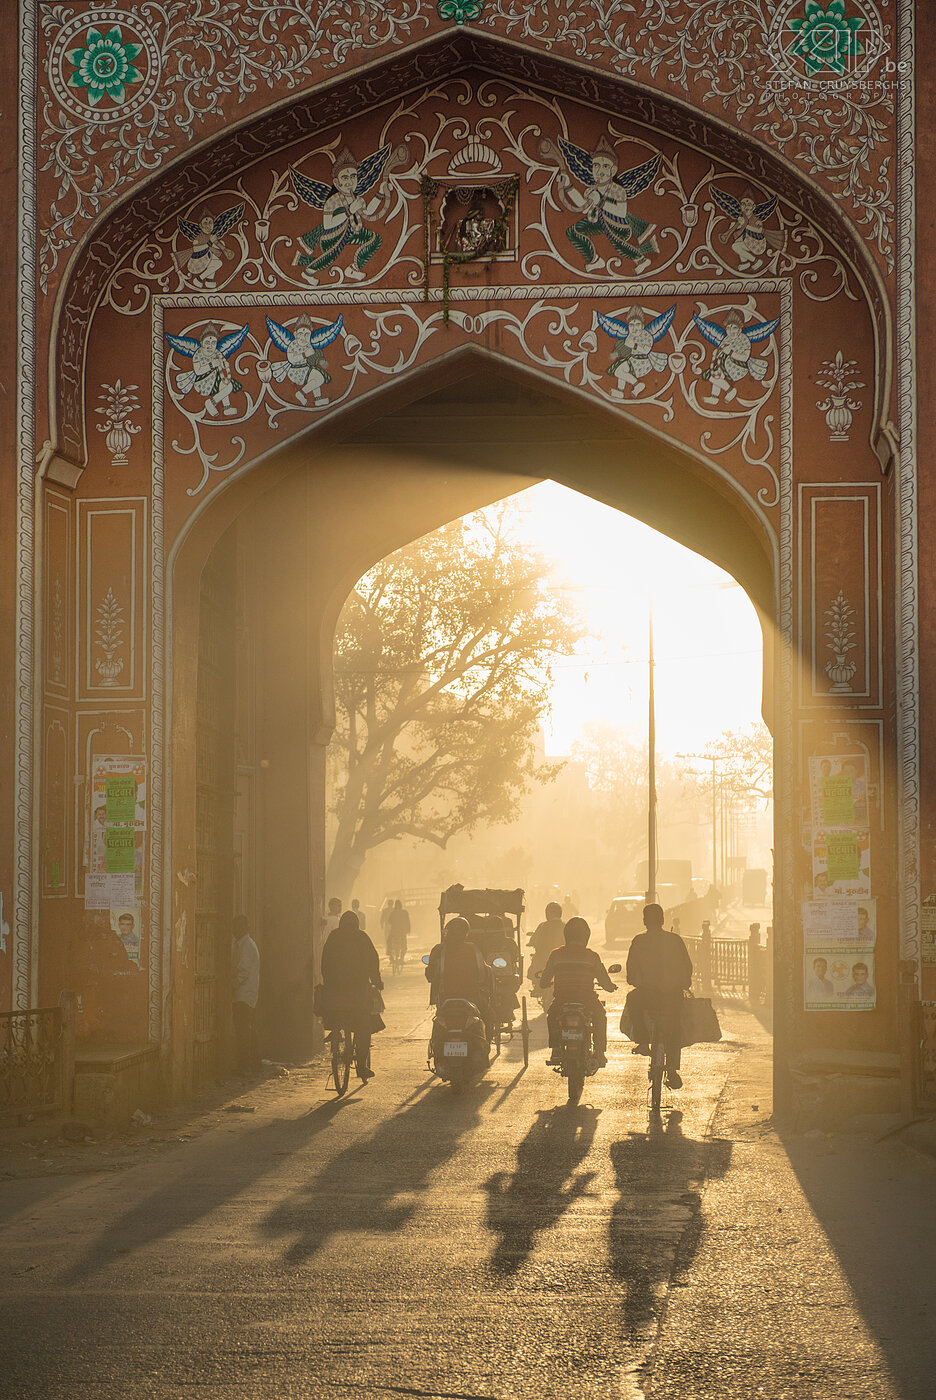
(525, 1036)
(341, 1059)
(655, 1074)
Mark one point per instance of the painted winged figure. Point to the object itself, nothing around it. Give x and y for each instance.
(733, 357)
(203, 260)
(634, 356)
(603, 204)
(344, 207)
(749, 239)
(210, 374)
(304, 364)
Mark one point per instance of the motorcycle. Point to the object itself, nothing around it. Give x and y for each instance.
(459, 1052)
(577, 1059)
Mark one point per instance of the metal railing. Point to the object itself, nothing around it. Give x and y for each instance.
(36, 1058)
(739, 969)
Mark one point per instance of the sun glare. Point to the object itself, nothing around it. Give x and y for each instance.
(707, 638)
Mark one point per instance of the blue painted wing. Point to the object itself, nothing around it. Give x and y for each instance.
(191, 231)
(636, 180)
(712, 332)
(762, 330)
(232, 341)
(726, 203)
(185, 344)
(311, 192)
(370, 170)
(280, 336)
(764, 211)
(578, 161)
(226, 221)
(612, 326)
(328, 333)
(661, 324)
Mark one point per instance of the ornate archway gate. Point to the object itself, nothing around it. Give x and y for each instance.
(261, 300)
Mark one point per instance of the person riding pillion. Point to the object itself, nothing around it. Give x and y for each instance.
(573, 970)
(457, 968)
(659, 969)
(350, 973)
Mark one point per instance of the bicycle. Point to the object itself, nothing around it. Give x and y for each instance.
(344, 1055)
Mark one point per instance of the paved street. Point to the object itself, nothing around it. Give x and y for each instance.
(409, 1242)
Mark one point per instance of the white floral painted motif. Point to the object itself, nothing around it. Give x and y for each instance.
(634, 356)
(119, 401)
(109, 634)
(839, 635)
(839, 408)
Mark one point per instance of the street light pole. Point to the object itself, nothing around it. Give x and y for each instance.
(714, 759)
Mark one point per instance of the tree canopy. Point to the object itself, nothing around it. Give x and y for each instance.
(443, 661)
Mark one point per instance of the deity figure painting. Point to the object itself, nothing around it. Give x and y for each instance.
(733, 357)
(304, 364)
(204, 259)
(603, 204)
(749, 239)
(634, 357)
(344, 207)
(210, 374)
(473, 232)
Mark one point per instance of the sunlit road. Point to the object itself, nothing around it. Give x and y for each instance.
(409, 1242)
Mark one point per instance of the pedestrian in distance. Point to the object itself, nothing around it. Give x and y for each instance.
(351, 975)
(356, 909)
(398, 930)
(245, 990)
(330, 922)
(659, 969)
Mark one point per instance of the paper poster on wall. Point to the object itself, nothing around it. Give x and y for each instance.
(103, 891)
(839, 979)
(841, 864)
(845, 923)
(838, 788)
(928, 931)
(127, 924)
(119, 850)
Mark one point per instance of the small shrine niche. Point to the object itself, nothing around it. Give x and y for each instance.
(476, 221)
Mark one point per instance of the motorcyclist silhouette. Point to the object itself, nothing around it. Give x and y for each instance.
(457, 968)
(572, 971)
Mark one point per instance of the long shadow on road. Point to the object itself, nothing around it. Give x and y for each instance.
(213, 1176)
(543, 1185)
(358, 1189)
(657, 1221)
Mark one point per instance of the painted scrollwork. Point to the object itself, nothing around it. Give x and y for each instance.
(637, 211)
(705, 361)
(123, 86)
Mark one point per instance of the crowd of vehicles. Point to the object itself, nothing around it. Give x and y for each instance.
(468, 1028)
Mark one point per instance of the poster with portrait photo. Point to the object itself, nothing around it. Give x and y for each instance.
(839, 979)
(841, 862)
(842, 923)
(838, 790)
(128, 925)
